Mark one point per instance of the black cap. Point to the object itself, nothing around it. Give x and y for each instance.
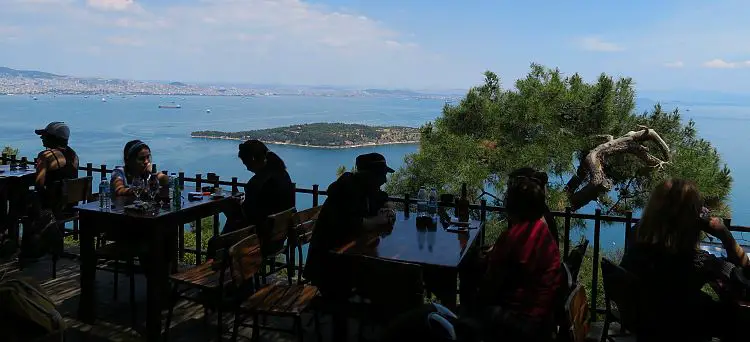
(372, 162)
(55, 129)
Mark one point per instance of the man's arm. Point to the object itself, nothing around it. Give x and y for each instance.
(41, 171)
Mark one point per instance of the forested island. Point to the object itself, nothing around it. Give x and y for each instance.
(325, 135)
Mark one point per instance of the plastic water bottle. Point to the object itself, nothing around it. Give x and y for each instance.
(422, 202)
(172, 179)
(432, 202)
(104, 193)
(176, 192)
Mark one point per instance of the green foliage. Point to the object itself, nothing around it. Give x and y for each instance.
(10, 151)
(324, 134)
(207, 231)
(549, 122)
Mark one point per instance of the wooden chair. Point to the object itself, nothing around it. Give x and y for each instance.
(272, 300)
(304, 224)
(575, 259)
(619, 285)
(385, 288)
(273, 241)
(72, 192)
(578, 328)
(211, 281)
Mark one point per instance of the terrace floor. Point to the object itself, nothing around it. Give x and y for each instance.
(113, 322)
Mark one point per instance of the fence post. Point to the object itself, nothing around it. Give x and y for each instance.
(566, 242)
(13, 161)
(5, 158)
(103, 170)
(315, 195)
(89, 170)
(235, 186)
(628, 227)
(482, 218)
(198, 228)
(153, 168)
(181, 231)
(24, 161)
(727, 222)
(595, 264)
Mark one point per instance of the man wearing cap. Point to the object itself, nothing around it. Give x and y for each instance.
(354, 205)
(56, 163)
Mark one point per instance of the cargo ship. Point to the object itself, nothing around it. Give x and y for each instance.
(174, 106)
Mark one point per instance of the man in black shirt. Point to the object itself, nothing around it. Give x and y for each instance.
(354, 206)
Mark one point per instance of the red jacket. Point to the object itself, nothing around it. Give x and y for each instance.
(523, 271)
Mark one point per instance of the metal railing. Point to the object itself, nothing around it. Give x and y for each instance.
(198, 181)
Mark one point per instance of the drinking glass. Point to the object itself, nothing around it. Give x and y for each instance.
(137, 187)
(154, 189)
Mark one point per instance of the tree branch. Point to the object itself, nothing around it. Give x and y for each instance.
(591, 168)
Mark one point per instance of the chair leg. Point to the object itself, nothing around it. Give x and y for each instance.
(289, 267)
(318, 333)
(55, 257)
(236, 328)
(219, 325)
(172, 303)
(299, 265)
(300, 331)
(133, 309)
(256, 328)
(116, 277)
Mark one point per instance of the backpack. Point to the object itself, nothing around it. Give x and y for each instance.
(27, 313)
(42, 236)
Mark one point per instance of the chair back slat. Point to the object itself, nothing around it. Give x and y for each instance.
(246, 260)
(577, 312)
(390, 286)
(575, 259)
(303, 232)
(619, 289)
(77, 190)
(276, 230)
(227, 240)
(310, 214)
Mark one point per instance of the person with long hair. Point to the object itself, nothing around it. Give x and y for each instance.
(270, 190)
(136, 156)
(519, 287)
(672, 269)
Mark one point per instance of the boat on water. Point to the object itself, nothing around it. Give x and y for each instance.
(104, 99)
(208, 111)
(173, 106)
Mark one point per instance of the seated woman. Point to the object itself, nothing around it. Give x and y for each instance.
(269, 191)
(518, 292)
(137, 164)
(672, 269)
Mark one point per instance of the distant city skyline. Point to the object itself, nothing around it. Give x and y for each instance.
(416, 44)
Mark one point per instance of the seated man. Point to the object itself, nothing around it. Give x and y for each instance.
(355, 205)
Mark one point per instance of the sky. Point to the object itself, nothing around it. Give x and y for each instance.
(414, 44)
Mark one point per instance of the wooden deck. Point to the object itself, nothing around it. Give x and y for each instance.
(113, 322)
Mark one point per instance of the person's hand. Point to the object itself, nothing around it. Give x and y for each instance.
(715, 227)
(389, 215)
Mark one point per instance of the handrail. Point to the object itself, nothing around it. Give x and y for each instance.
(406, 201)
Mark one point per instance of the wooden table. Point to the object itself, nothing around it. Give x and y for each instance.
(153, 228)
(13, 185)
(439, 251)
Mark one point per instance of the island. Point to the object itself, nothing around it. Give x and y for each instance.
(323, 135)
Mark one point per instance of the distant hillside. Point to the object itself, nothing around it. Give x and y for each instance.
(331, 135)
(8, 72)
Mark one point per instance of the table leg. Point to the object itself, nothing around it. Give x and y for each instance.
(155, 279)
(87, 304)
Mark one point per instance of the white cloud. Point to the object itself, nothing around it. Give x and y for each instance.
(112, 5)
(718, 63)
(599, 45)
(675, 64)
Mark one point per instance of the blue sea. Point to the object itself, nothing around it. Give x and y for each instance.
(100, 129)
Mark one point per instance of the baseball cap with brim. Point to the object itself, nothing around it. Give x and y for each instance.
(373, 162)
(55, 129)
